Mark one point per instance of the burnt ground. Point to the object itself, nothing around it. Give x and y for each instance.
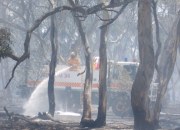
(20, 122)
(170, 120)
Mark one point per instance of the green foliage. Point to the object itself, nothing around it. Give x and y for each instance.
(5, 42)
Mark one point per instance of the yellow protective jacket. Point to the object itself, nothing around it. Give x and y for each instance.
(74, 63)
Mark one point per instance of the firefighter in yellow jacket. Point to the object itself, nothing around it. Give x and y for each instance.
(74, 62)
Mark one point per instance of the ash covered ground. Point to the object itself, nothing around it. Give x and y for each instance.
(170, 120)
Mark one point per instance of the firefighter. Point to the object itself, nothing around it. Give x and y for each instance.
(74, 62)
(96, 63)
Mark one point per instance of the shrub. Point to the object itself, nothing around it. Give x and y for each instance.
(5, 42)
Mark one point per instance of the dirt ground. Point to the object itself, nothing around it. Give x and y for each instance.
(170, 120)
(21, 122)
(64, 122)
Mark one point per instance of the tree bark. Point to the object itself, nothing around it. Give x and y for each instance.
(101, 117)
(52, 67)
(166, 65)
(158, 41)
(88, 80)
(86, 117)
(141, 85)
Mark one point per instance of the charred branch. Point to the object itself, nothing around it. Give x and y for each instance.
(81, 72)
(12, 74)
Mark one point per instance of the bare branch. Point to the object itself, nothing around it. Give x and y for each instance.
(26, 53)
(12, 56)
(111, 10)
(22, 29)
(102, 6)
(12, 75)
(116, 16)
(95, 8)
(81, 72)
(102, 18)
(77, 9)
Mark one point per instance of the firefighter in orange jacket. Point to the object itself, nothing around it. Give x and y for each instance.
(74, 62)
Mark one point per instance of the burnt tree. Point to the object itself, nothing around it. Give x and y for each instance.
(141, 85)
(52, 65)
(86, 117)
(166, 65)
(101, 117)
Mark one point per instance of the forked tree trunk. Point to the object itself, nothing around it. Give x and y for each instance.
(166, 65)
(141, 85)
(101, 117)
(52, 67)
(86, 117)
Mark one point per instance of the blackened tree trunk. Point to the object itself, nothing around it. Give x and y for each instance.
(86, 117)
(141, 85)
(166, 65)
(52, 66)
(101, 117)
